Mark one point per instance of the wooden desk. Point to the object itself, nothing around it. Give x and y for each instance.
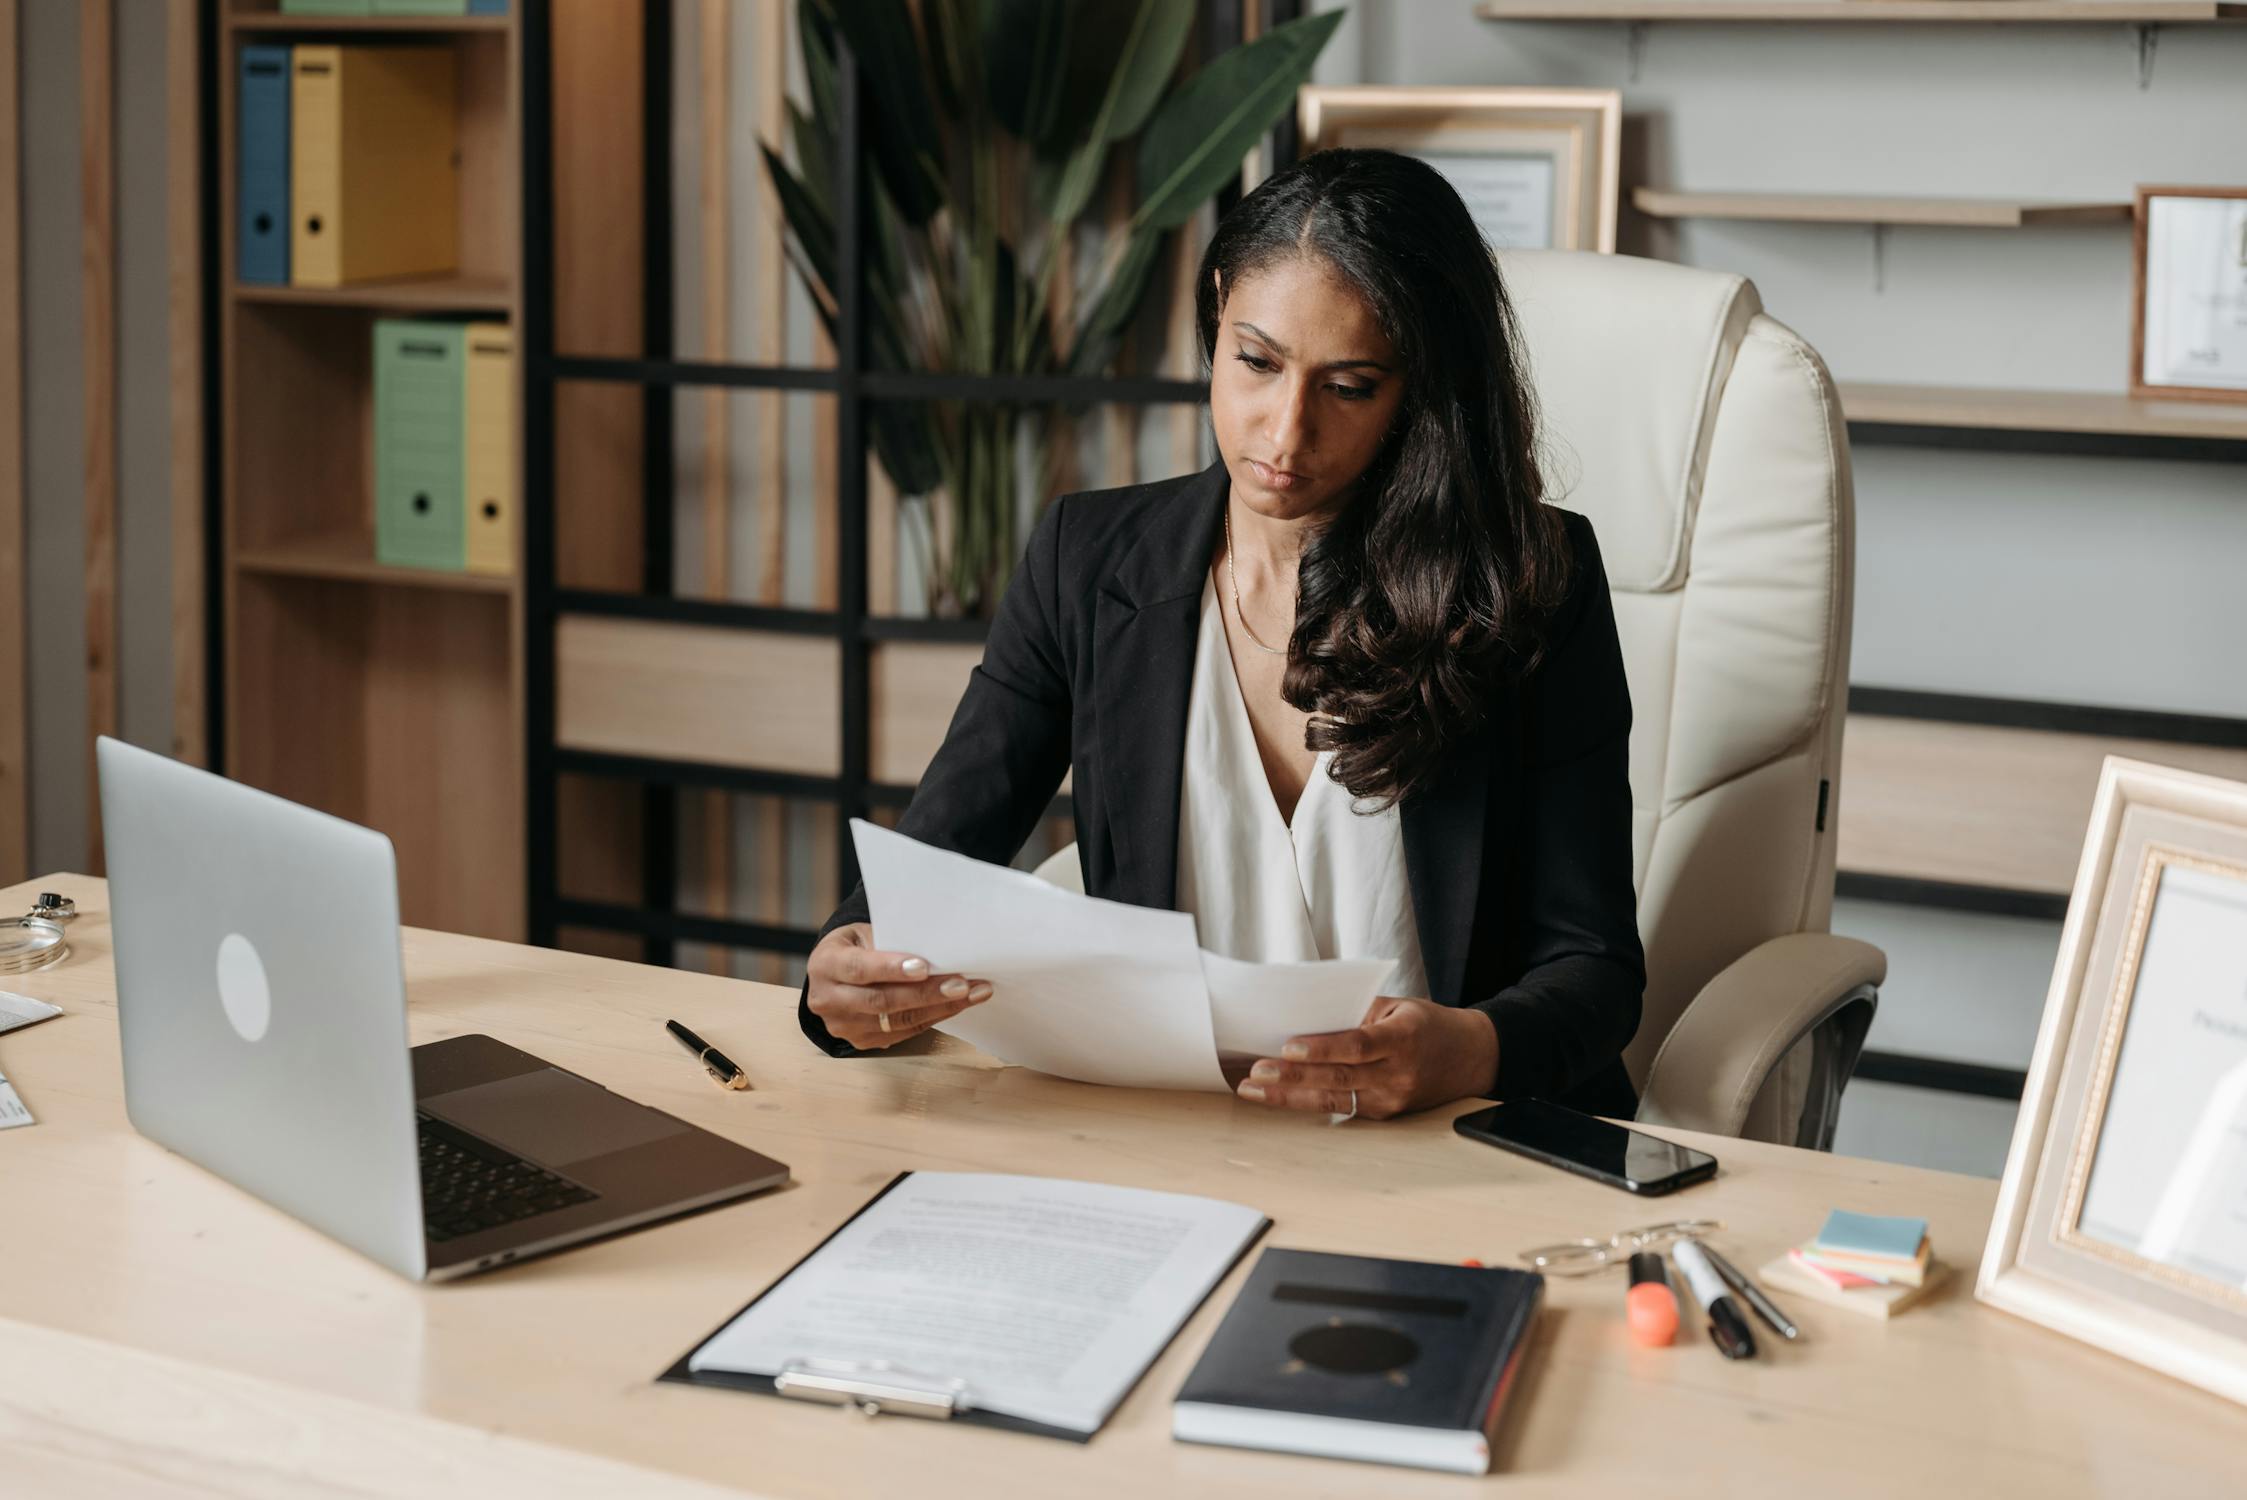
(161, 1332)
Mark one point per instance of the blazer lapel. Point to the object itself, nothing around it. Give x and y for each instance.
(1146, 612)
(1443, 833)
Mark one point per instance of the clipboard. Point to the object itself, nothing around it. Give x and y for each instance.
(882, 1389)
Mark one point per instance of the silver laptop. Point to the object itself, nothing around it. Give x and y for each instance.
(261, 1001)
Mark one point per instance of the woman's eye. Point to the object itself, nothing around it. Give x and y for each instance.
(1355, 392)
(1253, 362)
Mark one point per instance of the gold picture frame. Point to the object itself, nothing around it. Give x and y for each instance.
(2140, 1062)
(1500, 146)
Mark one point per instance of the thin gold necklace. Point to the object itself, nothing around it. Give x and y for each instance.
(1234, 579)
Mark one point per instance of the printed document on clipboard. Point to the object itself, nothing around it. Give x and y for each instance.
(1030, 1303)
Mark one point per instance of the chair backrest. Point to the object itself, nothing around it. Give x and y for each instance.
(1706, 443)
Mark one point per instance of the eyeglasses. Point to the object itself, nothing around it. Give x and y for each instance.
(1584, 1257)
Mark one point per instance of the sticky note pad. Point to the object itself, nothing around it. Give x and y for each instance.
(1872, 1235)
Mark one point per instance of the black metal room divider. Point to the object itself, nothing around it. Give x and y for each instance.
(854, 387)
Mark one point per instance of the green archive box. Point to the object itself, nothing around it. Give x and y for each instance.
(420, 371)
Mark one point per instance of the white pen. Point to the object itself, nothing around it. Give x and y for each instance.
(1728, 1329)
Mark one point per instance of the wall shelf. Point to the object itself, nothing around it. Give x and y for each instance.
(1827, 208)
(2042, 411)
(2088, 423)
(1915, 12)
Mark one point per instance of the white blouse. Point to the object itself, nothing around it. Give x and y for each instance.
(1331, 885)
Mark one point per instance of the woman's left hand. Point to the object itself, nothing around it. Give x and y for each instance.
(1406, 1055)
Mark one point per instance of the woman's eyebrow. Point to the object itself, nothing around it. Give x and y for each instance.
(1333, 364)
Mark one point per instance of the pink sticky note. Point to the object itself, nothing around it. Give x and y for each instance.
(1838, 1277)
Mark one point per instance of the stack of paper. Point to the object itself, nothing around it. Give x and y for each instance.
(1099, 991)
(1870, 1263)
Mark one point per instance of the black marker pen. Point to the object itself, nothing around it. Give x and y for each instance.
(1728, 1328)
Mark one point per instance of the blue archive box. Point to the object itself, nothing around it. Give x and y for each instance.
(261, 230)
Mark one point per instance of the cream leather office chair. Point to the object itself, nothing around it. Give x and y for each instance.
(1705, 441)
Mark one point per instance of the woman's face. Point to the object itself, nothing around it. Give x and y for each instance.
(1303, 386)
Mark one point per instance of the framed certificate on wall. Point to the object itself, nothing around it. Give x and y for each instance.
(2123, 1216)
(2188, 333)
(1537, 168)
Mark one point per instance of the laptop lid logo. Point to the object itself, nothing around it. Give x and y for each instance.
(242, 988)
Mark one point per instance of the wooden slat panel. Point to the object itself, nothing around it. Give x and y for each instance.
(97, 164)
(598, 428)
(184, 292)
(1982, 806)
(913, 687)
(15, 810)
(693, 692)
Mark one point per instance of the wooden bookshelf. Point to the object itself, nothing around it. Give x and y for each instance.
(388, 696)
(1874, 12)
(1828, 208)
(2041, 411)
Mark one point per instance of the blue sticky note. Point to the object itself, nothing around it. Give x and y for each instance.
(1872, 1234)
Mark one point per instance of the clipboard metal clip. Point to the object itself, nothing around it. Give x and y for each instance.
(872, 1387)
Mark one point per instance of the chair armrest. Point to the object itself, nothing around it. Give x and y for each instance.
(1724, 1047)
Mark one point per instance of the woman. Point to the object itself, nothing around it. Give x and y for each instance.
(1353, 691)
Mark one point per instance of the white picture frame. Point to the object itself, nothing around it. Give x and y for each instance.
(2134, 1052)
(1540, 169)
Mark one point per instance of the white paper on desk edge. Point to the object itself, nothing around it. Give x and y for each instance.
(18, 1011)
(12, 1110)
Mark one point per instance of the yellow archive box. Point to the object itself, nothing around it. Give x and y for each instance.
(374, 163)
(488, 445)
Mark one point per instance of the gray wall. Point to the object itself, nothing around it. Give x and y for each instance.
(54, 419)
(2080, 580)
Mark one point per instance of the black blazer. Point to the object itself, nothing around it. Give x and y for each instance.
(1519, 853)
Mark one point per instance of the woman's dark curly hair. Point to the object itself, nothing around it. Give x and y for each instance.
(1431, 587)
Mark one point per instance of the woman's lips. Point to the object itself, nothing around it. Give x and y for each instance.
(1276, 479)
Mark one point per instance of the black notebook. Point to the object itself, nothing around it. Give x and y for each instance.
(1347, 1356)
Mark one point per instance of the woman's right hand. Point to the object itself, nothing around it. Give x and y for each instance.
(854, 985)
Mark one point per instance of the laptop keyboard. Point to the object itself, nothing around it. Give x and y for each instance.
(468, 1185)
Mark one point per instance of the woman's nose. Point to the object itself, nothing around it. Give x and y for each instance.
(1288, 425)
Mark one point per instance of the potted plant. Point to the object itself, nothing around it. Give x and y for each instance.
(967, 102)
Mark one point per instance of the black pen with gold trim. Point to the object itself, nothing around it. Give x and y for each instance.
(721, 1067)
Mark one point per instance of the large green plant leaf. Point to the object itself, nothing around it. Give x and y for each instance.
(1137, 75)
(1217, 116)
(955, 31)
(1026, 64)
(1101, 333)
(816, 34)
(901, 123)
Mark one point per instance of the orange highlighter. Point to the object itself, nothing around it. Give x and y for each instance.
(1650, 1307)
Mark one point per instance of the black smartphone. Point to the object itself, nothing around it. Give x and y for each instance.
(1588, 1146)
